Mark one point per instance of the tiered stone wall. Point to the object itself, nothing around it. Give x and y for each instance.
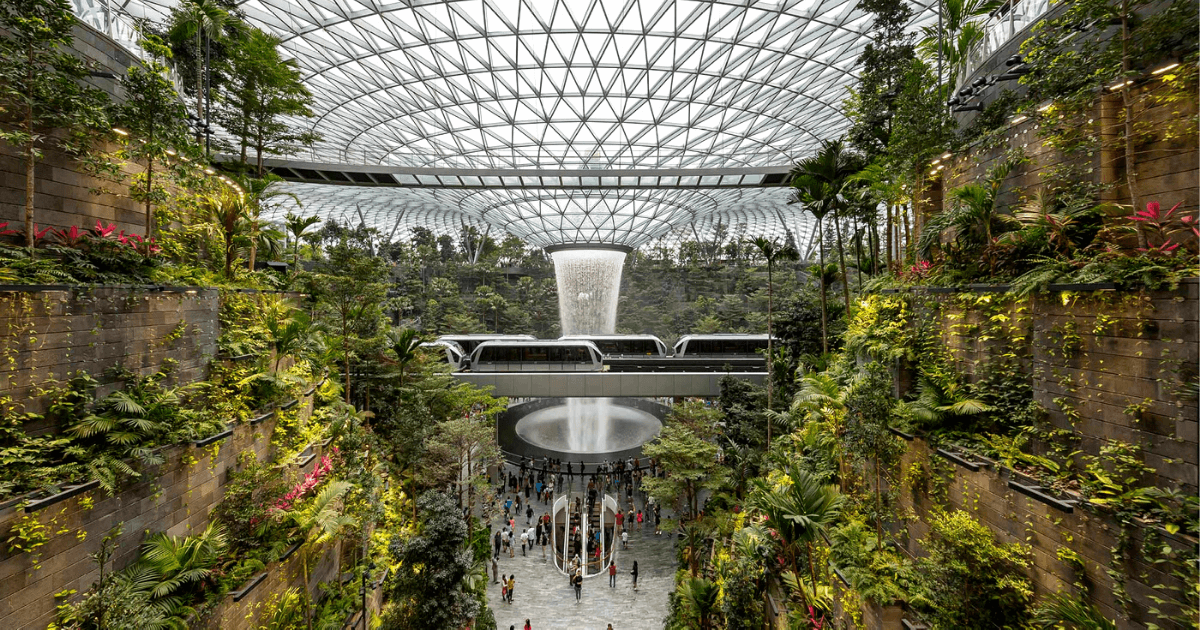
(176, 497)
(1048, 529)
(49, 335)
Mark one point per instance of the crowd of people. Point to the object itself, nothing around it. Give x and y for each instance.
(521, 487)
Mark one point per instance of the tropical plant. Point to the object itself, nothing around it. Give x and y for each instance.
(945, 404)
(171, 565)
(297, 227)
(228, 212)
(700, 596)
(319, 522)
(406, 343)
(1063, 611)
(959, 31)
(798, 507)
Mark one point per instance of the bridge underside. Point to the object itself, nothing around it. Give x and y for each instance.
(604, 384)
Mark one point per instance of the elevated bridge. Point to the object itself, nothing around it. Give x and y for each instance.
(605, 384)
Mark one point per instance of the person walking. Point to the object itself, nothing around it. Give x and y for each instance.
(495, 569)
(524, 541)
(578, 585)
(528, 514)
(624, 539)
(496, 542)
(634, 573)
(512, 551)
(503, 588)
(639, 520)
(512, 585)
(527, 626)
(620, 520)
(612, 574)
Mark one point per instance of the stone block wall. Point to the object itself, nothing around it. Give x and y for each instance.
(1109, 366)
(1016, 518)
(1106, 364)
(1168, 167)
(176, 497)
(49, 335)
(249, 611)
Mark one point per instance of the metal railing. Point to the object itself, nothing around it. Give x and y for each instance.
(999, 28)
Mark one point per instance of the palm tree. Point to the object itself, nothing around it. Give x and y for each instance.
(170, 563)
(824, 178)
(692, 539)
(881, 183)
(259, 193)
(798, 509)
(773, 253)
(960, 32)
(319, 522)
(296, 227)
(700, 596)
(204, 21)
(810, 191)
(227, 211)
(406, 343)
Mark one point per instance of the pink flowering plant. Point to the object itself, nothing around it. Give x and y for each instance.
(301, 490)
(75, 254)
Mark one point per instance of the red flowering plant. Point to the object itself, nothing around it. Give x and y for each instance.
(1165, 232)
(283, 504)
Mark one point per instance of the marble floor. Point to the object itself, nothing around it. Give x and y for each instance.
(543, 595)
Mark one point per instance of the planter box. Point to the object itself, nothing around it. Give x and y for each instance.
(241, 593)
(908, 437)
(1038, 492)
(289, 404)
(970, 462)
(68, 492)
(262, 418)
(213, 438)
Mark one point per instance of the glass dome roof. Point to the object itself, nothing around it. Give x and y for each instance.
(568, 84)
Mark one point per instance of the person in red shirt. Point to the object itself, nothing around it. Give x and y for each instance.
(620, 520)
(612, 574)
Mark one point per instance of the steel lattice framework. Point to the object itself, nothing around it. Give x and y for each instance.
(569, 84)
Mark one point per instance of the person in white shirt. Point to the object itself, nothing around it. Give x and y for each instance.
(624, 539)
(524, 541)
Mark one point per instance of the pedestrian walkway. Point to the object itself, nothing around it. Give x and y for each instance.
(544, 596)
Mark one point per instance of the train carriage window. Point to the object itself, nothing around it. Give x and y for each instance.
(536, 354)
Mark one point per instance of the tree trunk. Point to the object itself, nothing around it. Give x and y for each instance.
(30, 158)
(1131, 174)
(199, 81)
(149, 192)
(888, 222)
(821, 276)
(837, 226)
(770, 348)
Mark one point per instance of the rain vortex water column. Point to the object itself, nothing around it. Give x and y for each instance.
(589, 283)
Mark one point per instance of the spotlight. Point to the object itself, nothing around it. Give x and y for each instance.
(1018, 119)
(1014, 60)
(946, 156)
(1165, 68)
(119, 131)
(978, 83)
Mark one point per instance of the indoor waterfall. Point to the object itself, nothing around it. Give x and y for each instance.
(589, 283)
